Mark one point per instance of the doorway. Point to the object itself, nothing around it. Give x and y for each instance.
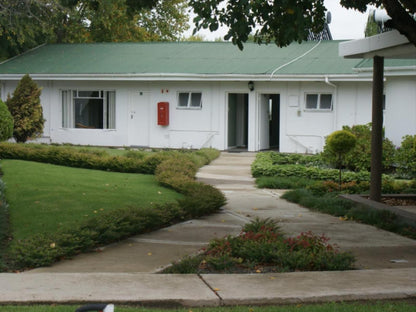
(269, 121)
(237, 121)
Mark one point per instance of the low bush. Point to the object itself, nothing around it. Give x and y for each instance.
(282, 182)
(389, 186)
(330, 203)
(261, 247)
(141, 162)
(264, 165)
(313, 173)
(44, 249)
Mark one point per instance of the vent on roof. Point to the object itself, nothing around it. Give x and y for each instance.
(325, 34)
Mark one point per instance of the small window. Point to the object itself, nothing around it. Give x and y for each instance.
(311, 101)
(318, 102)
(190, 100)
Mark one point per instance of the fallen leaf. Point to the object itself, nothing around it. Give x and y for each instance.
(52, 245)
(149, 253)
(216, 289)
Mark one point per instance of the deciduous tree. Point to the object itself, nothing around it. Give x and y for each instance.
(283, 22)
(25, 24)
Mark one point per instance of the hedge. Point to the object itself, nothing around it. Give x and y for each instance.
(173, 169)
(132, 162)
(265, 165)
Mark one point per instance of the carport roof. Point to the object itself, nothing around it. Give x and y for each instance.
(181, 58)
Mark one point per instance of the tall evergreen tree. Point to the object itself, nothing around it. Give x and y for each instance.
(6, 122)
(26, 110)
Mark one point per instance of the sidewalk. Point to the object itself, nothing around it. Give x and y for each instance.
(124, 272)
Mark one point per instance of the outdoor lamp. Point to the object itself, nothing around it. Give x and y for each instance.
(251, 85)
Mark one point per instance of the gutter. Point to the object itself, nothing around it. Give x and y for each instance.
(189, 77)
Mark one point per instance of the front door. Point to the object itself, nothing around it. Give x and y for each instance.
(237, 120)
(138, 119)
(269, 121)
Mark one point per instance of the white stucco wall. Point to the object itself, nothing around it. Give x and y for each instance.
(400, 113)
(301, 130)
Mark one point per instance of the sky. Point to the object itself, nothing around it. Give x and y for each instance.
(345, 24)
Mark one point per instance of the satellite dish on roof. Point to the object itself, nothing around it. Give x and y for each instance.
(381, 16)
(328, 17)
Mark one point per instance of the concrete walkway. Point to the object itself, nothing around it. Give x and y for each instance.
(124, 272)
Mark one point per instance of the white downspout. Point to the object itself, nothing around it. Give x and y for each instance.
(334, 102)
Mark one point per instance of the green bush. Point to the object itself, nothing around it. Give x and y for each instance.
(265, 165)
(359, 159)
(314, 173)
(261, 247)
(282, 182)
(26, 110)
(6, 122)
(406, 157)
(330, 203)
(340, 142)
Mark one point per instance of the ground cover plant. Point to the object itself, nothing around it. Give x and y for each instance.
(108, 225)
(261, 248)
(324, 307)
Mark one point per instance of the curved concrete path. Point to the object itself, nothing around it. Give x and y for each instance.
(123, 272)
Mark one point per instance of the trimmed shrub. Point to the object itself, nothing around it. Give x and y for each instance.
(26, 110)
(359, 159)
(6, 122)
(340, 142)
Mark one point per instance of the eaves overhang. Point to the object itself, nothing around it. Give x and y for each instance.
(189, 77)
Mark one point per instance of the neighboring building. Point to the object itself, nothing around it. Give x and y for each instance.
(115, 94)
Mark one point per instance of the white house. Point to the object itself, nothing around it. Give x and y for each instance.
(209, 94)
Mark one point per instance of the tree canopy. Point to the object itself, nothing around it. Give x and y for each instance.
(25, 24)
(283, 22)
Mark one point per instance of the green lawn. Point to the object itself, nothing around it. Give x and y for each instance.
(44, 197)
(329, 307)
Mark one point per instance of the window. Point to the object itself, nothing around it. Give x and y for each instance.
(190, 100)
(88, 109)
(318, 101)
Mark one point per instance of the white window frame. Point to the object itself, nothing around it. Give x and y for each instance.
(318, 103)
(189, 102)
(68, 108)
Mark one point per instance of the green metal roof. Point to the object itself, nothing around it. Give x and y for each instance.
(216, 58)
